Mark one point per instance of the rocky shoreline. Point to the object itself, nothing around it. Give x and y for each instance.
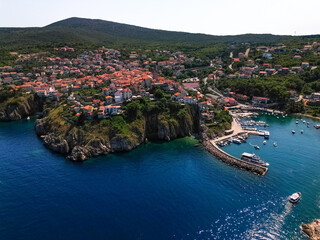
(312, 229)
(80, 143)
(23, 107)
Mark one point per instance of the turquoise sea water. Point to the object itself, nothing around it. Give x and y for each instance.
(158, 191)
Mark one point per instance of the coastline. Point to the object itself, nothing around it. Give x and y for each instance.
(211, 146)
(233, 161)
(306, 115)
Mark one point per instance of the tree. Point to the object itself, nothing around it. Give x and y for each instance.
(132, 110)
(159, 94)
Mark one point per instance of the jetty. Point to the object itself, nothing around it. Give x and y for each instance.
(213, 148)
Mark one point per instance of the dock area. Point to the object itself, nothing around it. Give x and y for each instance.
(233, 161)
(214, 149)
(236, 130)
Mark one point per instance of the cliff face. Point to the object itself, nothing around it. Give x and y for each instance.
(83, 142)
(312, 229)
(16, 109)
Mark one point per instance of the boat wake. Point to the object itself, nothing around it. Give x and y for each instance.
(269, 227)
(254, 222)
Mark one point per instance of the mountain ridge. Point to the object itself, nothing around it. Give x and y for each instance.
(96, 31)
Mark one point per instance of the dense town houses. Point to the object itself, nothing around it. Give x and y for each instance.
(120, 79)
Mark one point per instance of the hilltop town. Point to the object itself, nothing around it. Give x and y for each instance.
(97, 82)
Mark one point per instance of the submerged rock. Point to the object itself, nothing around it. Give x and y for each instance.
(312, 229)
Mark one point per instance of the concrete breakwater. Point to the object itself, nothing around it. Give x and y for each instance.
(211, 147)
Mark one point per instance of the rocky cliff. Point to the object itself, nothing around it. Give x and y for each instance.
(80, 142)
(18, 108)
(312, 229)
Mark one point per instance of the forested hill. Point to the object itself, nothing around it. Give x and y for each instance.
(80, 30)
(147, 34)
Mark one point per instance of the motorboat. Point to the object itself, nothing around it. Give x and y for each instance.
(28, 118)
(301, 131)
(294, 198)
(297, 121)
(264, 142)
(242, 138)
(293, 131)
(275, 144)
(256, 147)
(266, 134)
(250, 157)
(236, 140)
(317, 126)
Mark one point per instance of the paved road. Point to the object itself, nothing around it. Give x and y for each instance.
(215, 91)
(230, 66)
(300, 98)
(247, 52)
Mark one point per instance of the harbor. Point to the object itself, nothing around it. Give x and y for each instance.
(236, 135)
(233, 161)
(245, 125)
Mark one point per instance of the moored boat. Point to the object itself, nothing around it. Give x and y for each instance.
(302, 131)
(236, 140)
(266, 134)
(317, 126)
(294, 198)
(293, 131)
(264, 142)
(256, 147)
(275, 144)
(250, 157)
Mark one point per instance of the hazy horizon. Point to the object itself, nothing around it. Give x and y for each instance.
(215, 17)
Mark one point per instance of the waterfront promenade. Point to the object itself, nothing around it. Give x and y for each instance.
(236, 130)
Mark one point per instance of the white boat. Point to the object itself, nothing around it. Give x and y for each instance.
(293, 131)
(28, 118)
(304, 121)
(294, 198)
(264, 142)
(317, 126)
(256, 147)
(297, 121)
(266, 134)
(236, 140)
(275, 144)
(301, 131)
(250, 157)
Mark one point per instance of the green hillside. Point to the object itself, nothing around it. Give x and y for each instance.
(91, 31)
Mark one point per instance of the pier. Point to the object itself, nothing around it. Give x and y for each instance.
(213, 148)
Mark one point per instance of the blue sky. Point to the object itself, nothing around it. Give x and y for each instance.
(218, 17)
